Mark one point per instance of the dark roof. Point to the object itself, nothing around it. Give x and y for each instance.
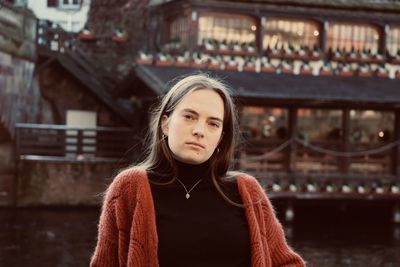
(388, 5)
(287, 88)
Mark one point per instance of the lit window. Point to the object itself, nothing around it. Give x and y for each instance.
(179, 32)
(393, 41)
(285, 33)
(265, 129)
(322, 128)
(348, 37)
(370, 129)
(329, 124)
(226, 27)
(264, 123)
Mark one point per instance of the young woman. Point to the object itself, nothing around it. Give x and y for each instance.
(181, 207)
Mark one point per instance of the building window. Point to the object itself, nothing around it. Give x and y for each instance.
(265, 129)
(353, 37)
(70, 4)
(226, 28)
(178, 33)
(327, 135)
(264, 123)
(370, 129)
(393, 41)
(287, 34)
(329, 125)
(52, 3)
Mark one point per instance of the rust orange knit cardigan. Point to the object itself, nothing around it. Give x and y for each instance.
(128, 234)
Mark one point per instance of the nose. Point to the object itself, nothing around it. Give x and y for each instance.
(198, 129)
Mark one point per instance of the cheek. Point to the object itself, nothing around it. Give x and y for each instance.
(216, 139)
(177, 132)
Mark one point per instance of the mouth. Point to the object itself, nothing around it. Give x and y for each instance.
(195, 145)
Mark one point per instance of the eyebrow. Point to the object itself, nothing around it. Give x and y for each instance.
(197, 114)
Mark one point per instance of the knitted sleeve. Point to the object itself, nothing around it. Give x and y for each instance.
(107, 250)
(280, 251)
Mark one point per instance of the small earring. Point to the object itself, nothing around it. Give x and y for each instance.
(217, 149)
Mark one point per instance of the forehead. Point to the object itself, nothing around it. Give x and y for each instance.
(203, 101)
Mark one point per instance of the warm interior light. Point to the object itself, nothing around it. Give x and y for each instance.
(316, 33)
(381, 134)
(253, 27)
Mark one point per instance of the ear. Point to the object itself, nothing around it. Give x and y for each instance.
(164, 124)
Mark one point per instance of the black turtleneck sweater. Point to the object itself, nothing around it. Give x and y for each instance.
(204, 230)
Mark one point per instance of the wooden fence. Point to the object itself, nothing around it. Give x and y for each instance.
(74, 143)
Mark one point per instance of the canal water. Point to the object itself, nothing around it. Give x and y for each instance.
(326, 236)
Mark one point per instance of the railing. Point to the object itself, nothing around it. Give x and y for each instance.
(318, 170)
(261, 154)
(73, 143)
(52, 37)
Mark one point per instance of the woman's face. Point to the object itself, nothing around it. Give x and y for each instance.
(194, 129)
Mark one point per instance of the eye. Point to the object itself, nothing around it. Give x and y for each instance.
(215, 124)
(188, 117)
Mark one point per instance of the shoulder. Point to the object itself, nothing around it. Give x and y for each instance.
(129, 180)
(248, 183)
(247, 180)
(250, 186)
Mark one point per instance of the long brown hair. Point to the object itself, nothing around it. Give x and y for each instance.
(160, 157)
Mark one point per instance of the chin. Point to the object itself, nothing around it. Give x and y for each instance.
(192, 160)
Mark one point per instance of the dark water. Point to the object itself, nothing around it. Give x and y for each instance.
(324, 236)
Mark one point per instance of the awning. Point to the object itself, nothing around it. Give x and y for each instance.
(286, 88)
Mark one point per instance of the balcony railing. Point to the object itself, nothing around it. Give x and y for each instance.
(61, 142)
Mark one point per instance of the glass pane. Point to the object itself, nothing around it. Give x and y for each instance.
(227, 28)
(349, 37)
(393, 41)
(179, 33)
(264, 129)
(285, 33)
(264, 123)
(370, 129)
(322, 129)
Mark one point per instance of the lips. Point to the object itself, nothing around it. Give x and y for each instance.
(195, 144)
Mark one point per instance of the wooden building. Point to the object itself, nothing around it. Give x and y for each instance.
(317, 84)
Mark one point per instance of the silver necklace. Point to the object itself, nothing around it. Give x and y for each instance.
(188, 192)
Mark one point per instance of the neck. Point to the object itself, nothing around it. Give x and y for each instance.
(193, 172)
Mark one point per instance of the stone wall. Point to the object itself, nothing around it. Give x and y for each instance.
(73, 183)
(20, 99)
(7, 166)
(17, 31)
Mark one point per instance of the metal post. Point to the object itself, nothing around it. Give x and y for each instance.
(289, 212)
(79, 143)
(396, 213)
(344, 162)
(291, 159)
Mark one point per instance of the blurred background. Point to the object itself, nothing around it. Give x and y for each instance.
(317, 85)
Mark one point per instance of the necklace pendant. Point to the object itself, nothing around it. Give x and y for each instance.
(187, 196)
